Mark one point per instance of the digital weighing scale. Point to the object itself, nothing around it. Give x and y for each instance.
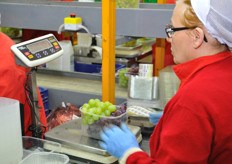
(31, 54)
(37, 51)
(80, 147)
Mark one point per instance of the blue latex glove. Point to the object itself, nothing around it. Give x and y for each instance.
(117, 141)
(155, 117)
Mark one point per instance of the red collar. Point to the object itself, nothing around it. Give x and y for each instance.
(186, 70)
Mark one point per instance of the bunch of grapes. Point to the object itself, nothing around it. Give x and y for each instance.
(123, 78)
(124, 73)
(134, 70)
(96, 115)
(127, 3)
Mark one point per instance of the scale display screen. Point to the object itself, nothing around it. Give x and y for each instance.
(39, 46)
(37, 51)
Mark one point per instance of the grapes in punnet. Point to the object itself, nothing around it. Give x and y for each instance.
(123, 79)
(96, 115)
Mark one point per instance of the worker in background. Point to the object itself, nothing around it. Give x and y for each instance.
(12, 85)
(196, 124)
(28, 34)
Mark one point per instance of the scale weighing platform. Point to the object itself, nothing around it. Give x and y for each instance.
(76, 145)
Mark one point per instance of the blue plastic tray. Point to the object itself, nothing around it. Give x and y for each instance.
(92, 68)
(44, 95)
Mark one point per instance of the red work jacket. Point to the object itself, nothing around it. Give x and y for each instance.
(12, 84)
(196, 125)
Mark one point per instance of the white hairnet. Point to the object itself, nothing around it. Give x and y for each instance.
(216, 15)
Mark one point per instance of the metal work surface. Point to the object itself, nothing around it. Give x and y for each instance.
(147, 21)
(70, 134)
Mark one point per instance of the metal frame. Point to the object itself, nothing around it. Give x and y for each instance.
(145, 21)
(148, 20)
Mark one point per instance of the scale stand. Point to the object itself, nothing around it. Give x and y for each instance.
(31, 54)
(36, 128)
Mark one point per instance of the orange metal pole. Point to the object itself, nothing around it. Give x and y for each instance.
(108, 55)
(161, 1)
(160, 49)
(159, 55)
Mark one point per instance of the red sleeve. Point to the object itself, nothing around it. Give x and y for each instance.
(139, 157)
(13, 78)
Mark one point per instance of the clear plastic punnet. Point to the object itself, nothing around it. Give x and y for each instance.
(93, 128)
(33, 145)
(168, 84)
(45, 158)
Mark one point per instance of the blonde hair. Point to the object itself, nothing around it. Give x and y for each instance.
(190, 18)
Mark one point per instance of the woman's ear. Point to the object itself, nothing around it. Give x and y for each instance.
(198, 37)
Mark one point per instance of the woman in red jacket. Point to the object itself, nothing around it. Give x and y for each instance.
(196, 124)
(12, 85)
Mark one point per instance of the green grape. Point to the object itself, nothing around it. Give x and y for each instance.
(120, 82)
(102, 106)
(95, 117)
(103, 114)
(107, 112)
(98, 104)
(123, 70)
(107, 103)
(124, 83)
(121, 74)
(84, 121)
(86, 106)
(123, 80)
(98, 111)
(92, 110)
(97, 100)
(90, 120)
(92, 102)
(127, 3)
(84, 110)
(112, 108)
